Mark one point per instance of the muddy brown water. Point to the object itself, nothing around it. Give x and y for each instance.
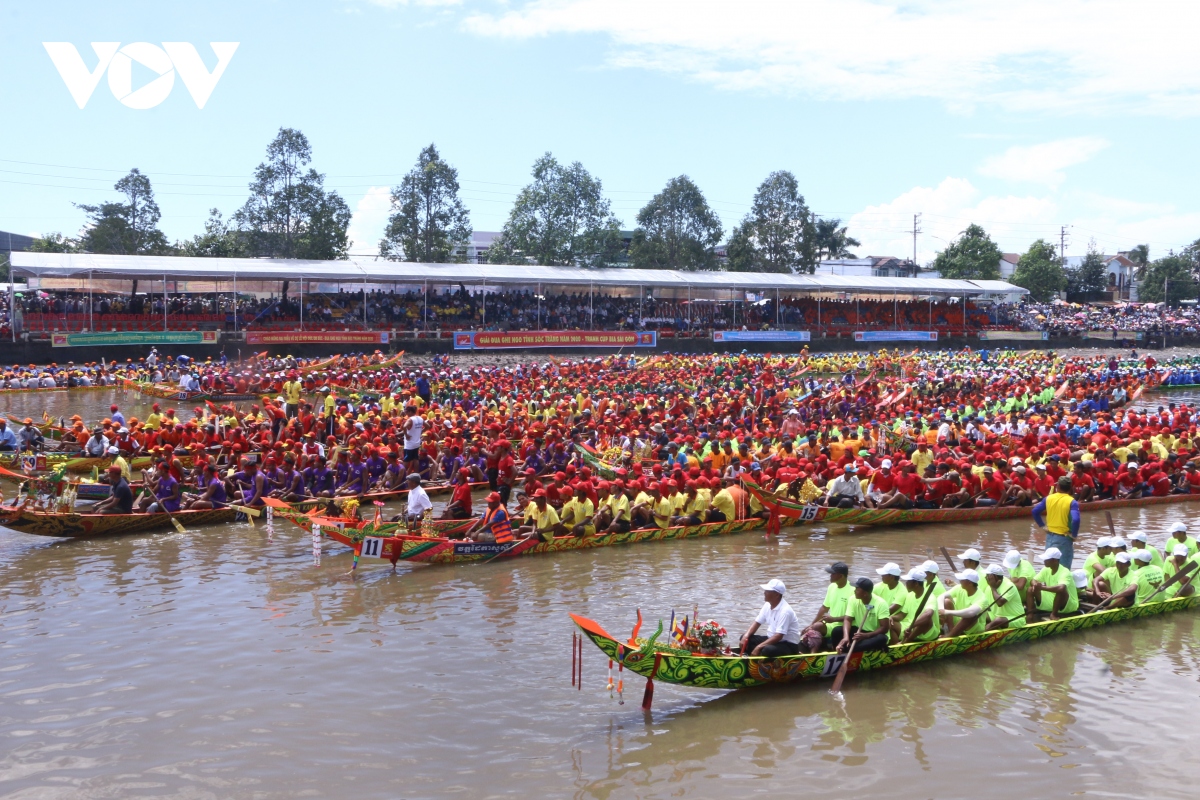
(224, 663)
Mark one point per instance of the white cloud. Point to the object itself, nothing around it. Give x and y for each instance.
(946, 210)
(1042, 163)
(1069, 55)
(369, 220)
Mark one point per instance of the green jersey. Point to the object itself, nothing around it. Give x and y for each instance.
(962, 600)
(1011, 605)
(836, 599)
(890, 597)
(910, 615)
(1149, 578)
(1117, 583)
(1023, 570)
(1188, 542)
(1089, 566)
(864, 616)
(1157, 557)
(1060, 577)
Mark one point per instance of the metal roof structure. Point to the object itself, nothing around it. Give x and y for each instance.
(178, 268)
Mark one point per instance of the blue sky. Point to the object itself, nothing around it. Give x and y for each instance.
(1022, 116)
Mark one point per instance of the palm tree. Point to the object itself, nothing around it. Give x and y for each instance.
(832, 239)
(1140, 256)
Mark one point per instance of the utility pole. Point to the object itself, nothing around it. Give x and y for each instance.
(916, 230)
(1165, 303)
(1062, 245)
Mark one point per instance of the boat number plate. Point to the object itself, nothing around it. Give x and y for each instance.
(372, 547)
(809, 513)
(832, 665)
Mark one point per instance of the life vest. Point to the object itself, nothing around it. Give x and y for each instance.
(500, 527)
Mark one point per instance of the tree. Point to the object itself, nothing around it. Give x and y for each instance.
(561, 218)
(833, 241)
(1089, 280)
(289, 214)
(428, 223)
(125, 228)
(676, 230)
(778, 234)
(1140, 256)
(219, 240)
(54, 243)
(1177, 271)
(1040, 271)
(971, 257)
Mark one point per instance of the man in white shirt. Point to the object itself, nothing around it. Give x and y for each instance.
(418, 501)
(845, 491)
(778, 620)
(412, 435)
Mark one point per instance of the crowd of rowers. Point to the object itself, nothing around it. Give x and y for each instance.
(687, 429)
(917, 606)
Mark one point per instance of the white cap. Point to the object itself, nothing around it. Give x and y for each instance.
(1050, 554)
(1042, 467)
(971, 554)
(967, 575)
(915, 575)
(1138, 536)
(1117, 541)
(994, 569)
(1103, 541)
(112, 451)
(930, 566)
(774, 585)
(1180, 550)
(1144, 556)
(1080, 578)
(1011, 559)
(1178, 527)
(892, 568)
(1122, 558)
(886, 464)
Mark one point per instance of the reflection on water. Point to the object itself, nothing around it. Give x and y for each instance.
(224, 664)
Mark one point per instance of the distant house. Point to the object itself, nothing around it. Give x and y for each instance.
(869, 267)
(1122, 280)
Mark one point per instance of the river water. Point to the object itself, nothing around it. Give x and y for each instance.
(225, 664)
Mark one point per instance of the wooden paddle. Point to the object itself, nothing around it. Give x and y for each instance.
(1112, 529)
(949, 560)
(841, 676)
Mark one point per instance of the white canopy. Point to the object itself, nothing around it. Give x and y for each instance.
(176, 268)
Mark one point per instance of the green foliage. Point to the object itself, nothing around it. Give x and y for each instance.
(1040, 271)
(429, 223)
(972, 257)
(1140, 256)
(289, 214)
(676, 230)
(1088, 281)
(778, 234)
(833, 241)
(54, 243)
(1178, 271)
(560, 219)
(219, 240)
(125, 228)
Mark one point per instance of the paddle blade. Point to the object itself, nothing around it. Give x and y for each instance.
(178, 525)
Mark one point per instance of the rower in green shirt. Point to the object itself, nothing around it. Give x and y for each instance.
(1148, 578)
(1020, 571)
(931, 569)
(1138, 541)
(833, 608)
(1178, 560)
(890, 592)
(911, 626)
(1009, 608)
(1053, 589)
(966, 602)
(1094, 564)
(864, 618)
(1178, 535)
(1118, 580)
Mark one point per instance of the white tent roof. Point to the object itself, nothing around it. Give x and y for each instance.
(82, 265)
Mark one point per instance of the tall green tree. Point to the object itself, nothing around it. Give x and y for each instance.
(973, 256)
(676, 230)
(429, 222)
(128, 226)
(778, 235)
(833, 241)
(54, 243)
(1177, 272)
(1040, 271)
(1089, 280)
(289, 214)
(560, 218)
(1140, 256)
(221, 239)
